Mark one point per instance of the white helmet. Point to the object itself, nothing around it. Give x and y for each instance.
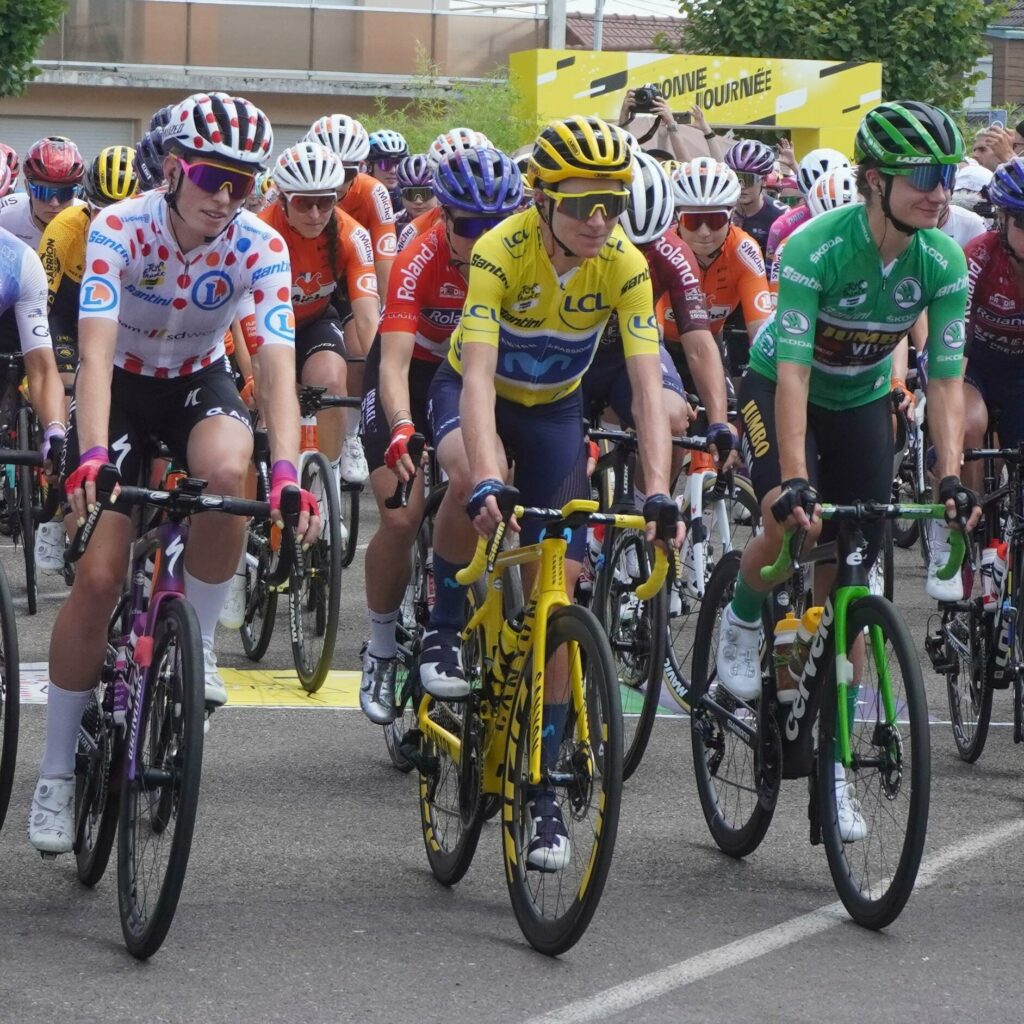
(342, 135)
(308, 167)
(222, 125)
(832, 190)
(457, 139)
(705, 184)
(817, 163)
(651, 208)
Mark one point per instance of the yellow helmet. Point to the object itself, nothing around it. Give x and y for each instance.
(581, 147)
(111, 176)
(671, 166)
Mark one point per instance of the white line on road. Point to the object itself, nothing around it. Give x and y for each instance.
(640, 990)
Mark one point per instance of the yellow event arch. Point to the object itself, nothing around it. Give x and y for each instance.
(820, 102)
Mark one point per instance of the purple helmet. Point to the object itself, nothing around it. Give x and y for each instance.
(414, 170)
(161, 118)
(149, 161)
(479, 180)
(1006, 189)
(751, 157)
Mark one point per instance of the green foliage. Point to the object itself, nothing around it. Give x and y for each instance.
(25, 24)
(492, 106)
(928, 48)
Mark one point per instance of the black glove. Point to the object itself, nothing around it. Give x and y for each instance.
(796, 493)
(966, 500)
(482, 491)
(661, 510)
(722, 439)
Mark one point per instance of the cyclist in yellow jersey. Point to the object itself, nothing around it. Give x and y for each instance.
(542, 286)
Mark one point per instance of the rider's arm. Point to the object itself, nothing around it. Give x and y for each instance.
(395, 358)
(97, 342)
(278, 405)
(44, 383)
(705, 363)
(752, 284)
(382, 234)
(362, 284)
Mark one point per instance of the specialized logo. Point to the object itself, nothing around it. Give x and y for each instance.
(97, 295)
(212, 290)
(280, 321)
(953, 334)
(794, 322)
(907, 293)
(192, 398)
(174, 552)
(120, 449)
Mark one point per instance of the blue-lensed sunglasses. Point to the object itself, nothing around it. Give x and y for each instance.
(44, 193)
(925, 177)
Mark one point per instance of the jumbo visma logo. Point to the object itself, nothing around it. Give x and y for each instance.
(280, 322)
(212, 290)
(97, 295)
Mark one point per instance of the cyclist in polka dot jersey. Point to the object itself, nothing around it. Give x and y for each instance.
(164, 277)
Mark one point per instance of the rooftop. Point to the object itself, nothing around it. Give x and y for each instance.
(630, 32)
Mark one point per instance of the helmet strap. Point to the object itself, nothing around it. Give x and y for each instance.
(898, 224)
(549, 222)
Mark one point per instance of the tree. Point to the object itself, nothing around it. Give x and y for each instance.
(491, 106)
(23, 28)
(928, 48)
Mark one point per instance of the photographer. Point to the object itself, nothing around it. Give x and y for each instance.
(687, 141)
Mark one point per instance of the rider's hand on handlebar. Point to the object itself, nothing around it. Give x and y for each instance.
(724, 443)
(962, 506)
(797, 506)
(284, 476)
(397, 456)
(661, 514)
(483, 509)
(907, 401)
(52, 447)
(80, 485)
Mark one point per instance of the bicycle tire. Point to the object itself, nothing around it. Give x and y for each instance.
(349, 505)
(26, 517)
(96, 794)
(638, 634)
(904, 489)
(171, 737)
(864, 898)
(743, 510)
(10, 694)
(314, 603)
(593, 786)
(260, 601)
(968, 681)
(736, 833)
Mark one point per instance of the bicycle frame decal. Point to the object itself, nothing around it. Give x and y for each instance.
(809, 679)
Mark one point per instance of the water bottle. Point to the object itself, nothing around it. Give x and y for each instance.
(989, 590)
(802, 646)
(785, 635)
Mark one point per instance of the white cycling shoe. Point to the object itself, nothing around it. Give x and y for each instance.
(738, 659)
(51, 822)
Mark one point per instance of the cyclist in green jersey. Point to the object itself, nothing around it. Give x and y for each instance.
(815, 402)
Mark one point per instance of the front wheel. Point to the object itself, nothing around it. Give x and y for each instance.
(260, 601)
(349, 495)
(158, 805)
(314, 601)
(874, 815)
(97, 762)
(554, 898)
(964, 646)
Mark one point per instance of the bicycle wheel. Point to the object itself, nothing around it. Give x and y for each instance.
(637, 634)
(737, 770)
(554, 908)
(314, 602)
(155, 833)
(10, 694)
(882, 575)
(964, 649)
(890, 771)
(735, 514)
(97, 763)
(904, 489)
(25, 496)
(260, 601)
(350, 517)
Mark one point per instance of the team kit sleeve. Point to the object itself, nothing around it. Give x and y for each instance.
(271, 295)
(752, 281)
(30, 307)
(382, 224)
(106, 260)
(797, 309)
(360, 275)
(635, 305)
(488, 285)
(685, 296)
(947, 311)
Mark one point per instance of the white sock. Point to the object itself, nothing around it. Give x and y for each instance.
(383, 642)
(64, 709)
(352, 417)
(208, 600)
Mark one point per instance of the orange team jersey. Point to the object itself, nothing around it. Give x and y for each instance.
(313, 279)
(420, 225)
(425, 295)
(368, 202)
(735, 277)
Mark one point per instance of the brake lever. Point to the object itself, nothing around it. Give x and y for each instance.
(403, 489)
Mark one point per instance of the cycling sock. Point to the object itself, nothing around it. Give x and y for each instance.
(449, 609)
(64, 709)
(746, 602)
(551, 734)
(383, 642)
(208, 600)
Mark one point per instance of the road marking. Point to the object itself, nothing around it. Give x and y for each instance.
(651, 986)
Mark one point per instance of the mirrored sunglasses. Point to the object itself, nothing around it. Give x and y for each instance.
(214, 178)
(418, 193)
(385, 164)
(746, 178)
(583, 205)
(925, 177)
(473, 227)
(715, 219)
(304, 203)
(45, 193)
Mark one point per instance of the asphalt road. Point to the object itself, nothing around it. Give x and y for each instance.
(308, 897)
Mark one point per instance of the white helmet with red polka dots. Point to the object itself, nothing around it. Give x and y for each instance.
(218, 125)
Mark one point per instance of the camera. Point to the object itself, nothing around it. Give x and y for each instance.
(644, 98)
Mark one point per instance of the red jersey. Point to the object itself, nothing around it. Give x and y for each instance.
(425, 295)
(313, 278)
(995, 305)
(369, 203)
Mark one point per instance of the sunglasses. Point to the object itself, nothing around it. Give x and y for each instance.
(715, 220)
(214, 178)
(583, 205)
(746, 178)
(351, 170)
(387, 164)
(307, 203)
(473, 227)
(418, 193)
(44, 193)
(925, 177)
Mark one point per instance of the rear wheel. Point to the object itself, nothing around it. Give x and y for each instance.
(965, 650)
(349, 502)
(97, 785)
(260, 600)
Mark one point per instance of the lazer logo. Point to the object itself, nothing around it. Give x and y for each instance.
(810, 674)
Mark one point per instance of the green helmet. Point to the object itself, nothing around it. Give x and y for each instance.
(907, 133)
